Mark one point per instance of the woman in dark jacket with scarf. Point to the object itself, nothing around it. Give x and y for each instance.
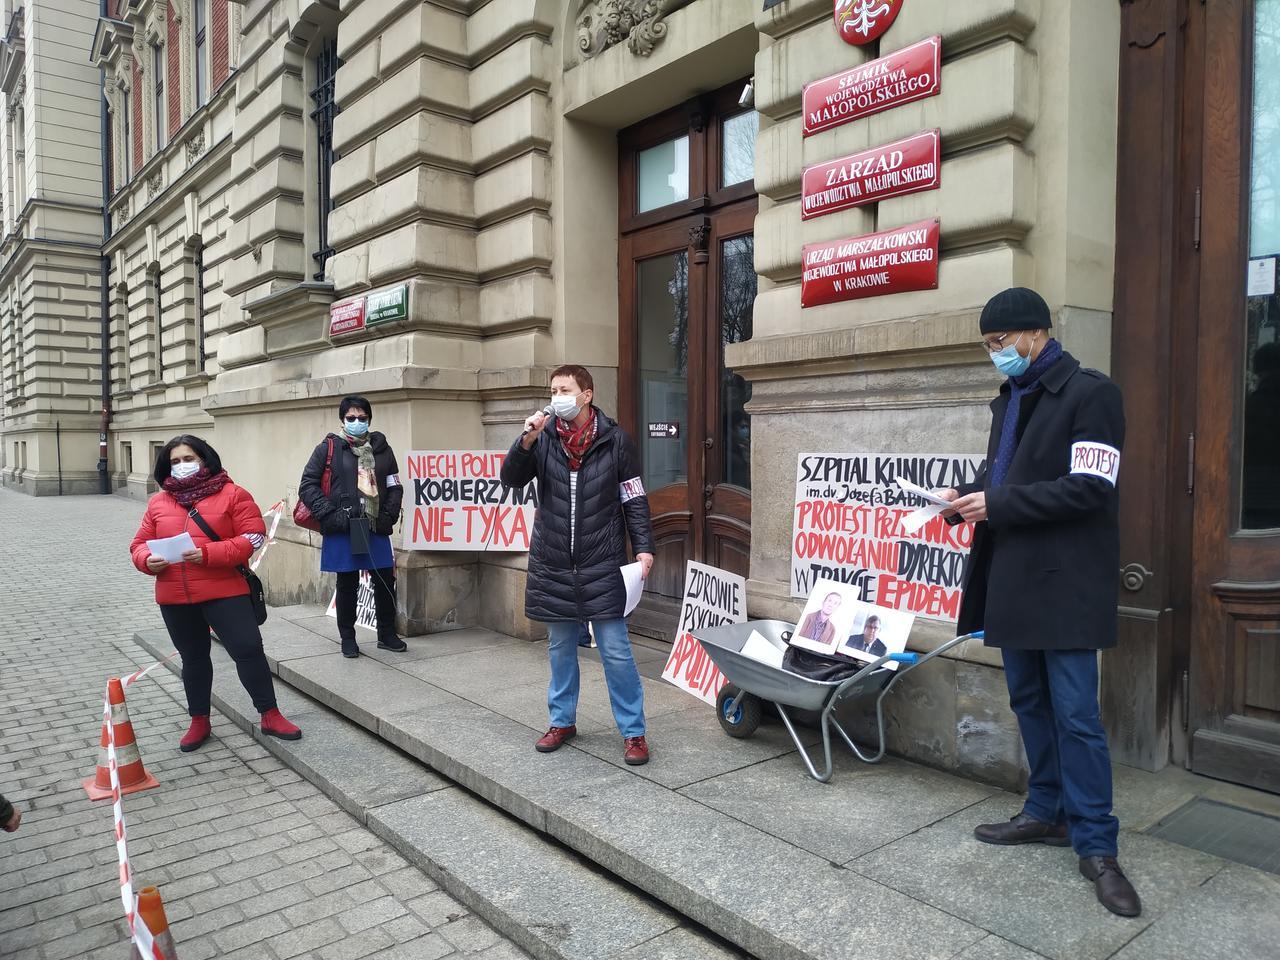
(357, 516)
(206, 590)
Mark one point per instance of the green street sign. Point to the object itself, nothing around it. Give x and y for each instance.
(384, 306)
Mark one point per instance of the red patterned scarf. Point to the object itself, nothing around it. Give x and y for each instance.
(193, 489)
(577, 440)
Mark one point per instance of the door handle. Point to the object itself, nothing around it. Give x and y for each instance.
(1134, 576)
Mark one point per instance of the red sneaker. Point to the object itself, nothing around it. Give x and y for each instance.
(196, 735)
(275, 725)
(555, 738)
(635, 751)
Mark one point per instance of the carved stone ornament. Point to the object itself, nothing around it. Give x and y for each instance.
(602, 24)
(155, 183)
(195, 147)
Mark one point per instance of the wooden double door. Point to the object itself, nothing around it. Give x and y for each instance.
(1196, 346)
(687, 286)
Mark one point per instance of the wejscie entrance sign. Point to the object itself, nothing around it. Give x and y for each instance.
(894, 170)
(455, 501)
(712, 598)
(370, 309)
(894, 261)
(847, 528)
(907, 75)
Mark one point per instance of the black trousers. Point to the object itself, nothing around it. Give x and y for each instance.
(384, 603)
(233, 621)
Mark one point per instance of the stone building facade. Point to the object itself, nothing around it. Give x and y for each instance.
(616, 183)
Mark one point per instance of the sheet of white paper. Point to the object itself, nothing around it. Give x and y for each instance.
(634, 580)
(1262, 277)
(759, 648)
(912, 522)
(171, 548)
(925, 495)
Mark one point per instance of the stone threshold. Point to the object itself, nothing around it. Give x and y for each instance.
(734, 834)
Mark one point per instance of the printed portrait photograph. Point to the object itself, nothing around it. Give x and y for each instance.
(827, 618)
(876, 632)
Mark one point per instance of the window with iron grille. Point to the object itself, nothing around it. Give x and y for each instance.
(322, 95)
(200, 22)
(198, 270)
(126, 148)
(157, 328)
(158, 67)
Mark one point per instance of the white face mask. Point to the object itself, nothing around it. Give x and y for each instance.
(564, 407)
(181, 471)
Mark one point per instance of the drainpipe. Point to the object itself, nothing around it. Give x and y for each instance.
(104, 478)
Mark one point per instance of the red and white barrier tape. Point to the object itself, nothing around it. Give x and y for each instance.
(138, 931)
(276, 512)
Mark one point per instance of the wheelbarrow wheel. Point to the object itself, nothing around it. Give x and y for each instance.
(742, 721)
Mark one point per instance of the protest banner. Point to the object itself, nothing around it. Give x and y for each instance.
(455, 501)
(366, 613)
(847, 528)
(712, 598)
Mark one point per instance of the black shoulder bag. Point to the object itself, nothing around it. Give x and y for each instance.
(257, 597)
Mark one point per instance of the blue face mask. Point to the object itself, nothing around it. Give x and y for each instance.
(356, 428)
(1011, 363)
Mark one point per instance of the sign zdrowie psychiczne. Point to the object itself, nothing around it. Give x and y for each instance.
(894, 261)
(904, 76)
(894, 170)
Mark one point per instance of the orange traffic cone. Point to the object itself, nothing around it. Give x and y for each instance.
(133, 776)
(151, 911)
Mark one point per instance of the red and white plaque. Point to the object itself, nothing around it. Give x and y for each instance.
(904, 76)
(346, 316)
(894, 170)
(894, 261)
(865, 21)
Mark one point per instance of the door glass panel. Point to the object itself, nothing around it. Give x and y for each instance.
(737, 304)
(662, 299)
(738, 164)
(1260, 499)
(664, 174)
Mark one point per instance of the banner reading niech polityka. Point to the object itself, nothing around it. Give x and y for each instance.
(846, 527)
(454, 500)
(712, 598)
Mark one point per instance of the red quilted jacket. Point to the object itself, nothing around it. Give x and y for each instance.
(233, 516)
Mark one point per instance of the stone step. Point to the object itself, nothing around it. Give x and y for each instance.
(549, 901)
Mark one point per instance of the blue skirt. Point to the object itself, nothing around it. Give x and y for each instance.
(336, 555)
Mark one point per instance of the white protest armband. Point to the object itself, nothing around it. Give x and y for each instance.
(393, 480)
(1096, 459)
(631, 489)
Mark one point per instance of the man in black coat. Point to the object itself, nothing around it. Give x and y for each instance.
(591, 498)
(1042, 579)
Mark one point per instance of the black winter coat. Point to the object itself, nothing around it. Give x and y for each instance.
(343, 491)
(583, 583)
(1044, 571)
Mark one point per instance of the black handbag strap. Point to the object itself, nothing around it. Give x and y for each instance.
(194, 514)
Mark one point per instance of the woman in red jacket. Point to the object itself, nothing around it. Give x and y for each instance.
(206, 591)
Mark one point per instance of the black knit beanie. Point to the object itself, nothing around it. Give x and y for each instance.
(1015, 309)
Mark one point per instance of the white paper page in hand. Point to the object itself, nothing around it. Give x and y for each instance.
(633, 578)
(913, 521)
(759, 648)
(171, 548)
(928, 496)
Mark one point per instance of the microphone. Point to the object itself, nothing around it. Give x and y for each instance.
(546, 411)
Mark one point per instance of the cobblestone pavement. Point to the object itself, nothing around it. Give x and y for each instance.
(252, 861)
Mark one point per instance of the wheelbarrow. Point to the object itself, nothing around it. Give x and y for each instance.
(740, 704)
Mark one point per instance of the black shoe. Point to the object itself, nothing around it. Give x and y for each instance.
(1022, 828)
(395, 645)
(350, 650)
(1113, 888)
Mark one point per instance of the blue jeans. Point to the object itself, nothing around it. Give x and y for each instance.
(1054, 694)
(626, 694)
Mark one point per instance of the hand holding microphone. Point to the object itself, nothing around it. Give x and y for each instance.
(534, 425)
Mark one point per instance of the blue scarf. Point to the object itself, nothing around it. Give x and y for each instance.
(1018, 388)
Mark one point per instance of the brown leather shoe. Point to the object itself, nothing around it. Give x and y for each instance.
(1022, 828)
(635, 751)
(1113, 888)
(555, 738)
